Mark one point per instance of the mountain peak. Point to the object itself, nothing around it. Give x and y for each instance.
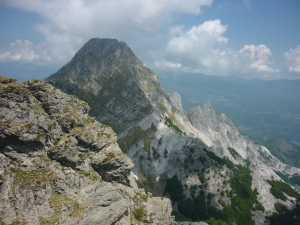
(94, 58)
(104, 47)
(107, 69)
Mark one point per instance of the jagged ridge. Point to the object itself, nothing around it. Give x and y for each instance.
(159, 152)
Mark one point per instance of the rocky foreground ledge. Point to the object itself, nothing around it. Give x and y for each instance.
(60, 166)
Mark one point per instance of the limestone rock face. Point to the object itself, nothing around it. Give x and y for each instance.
(160, 137)
(176, 101)
(60, 166)
(107, 69)
(220, 133)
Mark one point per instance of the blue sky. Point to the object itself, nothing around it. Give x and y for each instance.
(246, 38)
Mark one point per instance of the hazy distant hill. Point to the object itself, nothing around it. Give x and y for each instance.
(262, 110)
(287, 152)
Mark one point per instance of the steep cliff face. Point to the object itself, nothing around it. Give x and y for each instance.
(60, 166)
(104, 72)
(220, 133)
(199, 152)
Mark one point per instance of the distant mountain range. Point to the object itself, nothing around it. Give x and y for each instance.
(262, 110)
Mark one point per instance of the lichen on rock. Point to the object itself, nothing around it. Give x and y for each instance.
(60, 166)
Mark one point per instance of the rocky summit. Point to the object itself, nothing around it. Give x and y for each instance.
(60, 166)
(105, 73)
(197, 158)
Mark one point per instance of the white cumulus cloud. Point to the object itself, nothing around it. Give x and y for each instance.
(26, 51)
(257, 57)
(195, 47)
(203, 49)
(167, 64)
(68, 24)
(293, 59)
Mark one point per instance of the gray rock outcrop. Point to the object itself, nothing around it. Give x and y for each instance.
(60, 166)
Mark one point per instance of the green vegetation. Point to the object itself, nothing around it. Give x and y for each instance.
(202, 160)
(278, 187)
(215, 222)
(259, 206)
(200, 206)
(179, 216)
(268, 118)
(174, 188)
(134, 135)
(219, 160)
(109, 156)
(139, 213)
(16, 222)
(149, 183)
(57, 202)
(290, 217)
(192, 210)
(92, 174)
(160, 106)
(81, 155)
(27, 179)
(234, 153)
(114, 80)
(280, 207)
(202, 177)
(187, 208)
(239, 211)
(170, 123)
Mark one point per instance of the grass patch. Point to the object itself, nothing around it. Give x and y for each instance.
(134, 135)
(170, 123)
(108, 157)
(92, 174)
(57, 201)
(16, 222)
(150, 185)
(28, 179)
(139, 213)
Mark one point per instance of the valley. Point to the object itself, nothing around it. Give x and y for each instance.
(262, 110)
